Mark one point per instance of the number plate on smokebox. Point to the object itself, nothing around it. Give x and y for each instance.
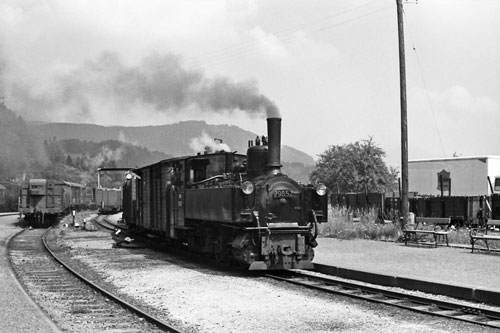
(283, 194)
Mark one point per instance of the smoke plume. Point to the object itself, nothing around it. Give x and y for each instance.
(158, 83)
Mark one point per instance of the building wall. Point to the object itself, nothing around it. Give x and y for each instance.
(468, 175)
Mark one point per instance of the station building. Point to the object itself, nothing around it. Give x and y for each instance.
(456, 176)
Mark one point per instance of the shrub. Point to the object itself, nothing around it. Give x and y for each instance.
(351, 224)
(355, 224)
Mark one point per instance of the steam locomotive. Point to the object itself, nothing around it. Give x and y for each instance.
(237, 208)
(43, 200)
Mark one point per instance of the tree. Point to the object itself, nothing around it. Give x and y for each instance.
(356, 167)
(54, 151)
(69, 161)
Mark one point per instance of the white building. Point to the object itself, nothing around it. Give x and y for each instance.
(467, 175)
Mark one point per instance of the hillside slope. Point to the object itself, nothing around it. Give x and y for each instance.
(173, 139)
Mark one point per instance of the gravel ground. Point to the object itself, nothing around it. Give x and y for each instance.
(205, 299)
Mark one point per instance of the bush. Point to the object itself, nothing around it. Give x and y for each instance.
(355, 224)
(348, 224)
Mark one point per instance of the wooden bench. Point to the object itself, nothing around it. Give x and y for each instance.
(485, 234)
(437, 227)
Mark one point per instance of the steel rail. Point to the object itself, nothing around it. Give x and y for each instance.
(158, 322)
(101, 220)
(422, 304)
(9, 214)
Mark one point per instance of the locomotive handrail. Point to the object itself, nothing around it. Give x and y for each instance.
(268, 228)
(207, 180)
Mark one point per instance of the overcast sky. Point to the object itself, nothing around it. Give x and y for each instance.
(330, 67)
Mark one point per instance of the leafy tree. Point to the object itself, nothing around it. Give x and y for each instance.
(356, 167)
(69, 161)
(54, 151)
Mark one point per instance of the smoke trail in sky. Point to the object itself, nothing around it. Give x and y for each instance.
(159, 82)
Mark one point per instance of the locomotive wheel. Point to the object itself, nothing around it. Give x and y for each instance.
(218, 252)
(221, 252)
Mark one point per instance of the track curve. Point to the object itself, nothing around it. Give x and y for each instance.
(68, 297)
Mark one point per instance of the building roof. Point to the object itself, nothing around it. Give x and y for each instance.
(460, 158)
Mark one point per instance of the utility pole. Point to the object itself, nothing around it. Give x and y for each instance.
(404, 116)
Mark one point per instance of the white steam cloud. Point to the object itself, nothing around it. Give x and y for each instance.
(205, 143)
(106, 154)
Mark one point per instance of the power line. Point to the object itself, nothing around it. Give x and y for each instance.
(285, 36)
(283, 32)
(426, 89)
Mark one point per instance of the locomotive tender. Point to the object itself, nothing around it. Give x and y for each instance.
(234, 207)
(43, 200)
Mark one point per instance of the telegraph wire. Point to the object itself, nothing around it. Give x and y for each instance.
(282, 32)
(285, 36)
(426, 89)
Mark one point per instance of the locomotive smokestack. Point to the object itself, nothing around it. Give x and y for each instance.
(274, 145)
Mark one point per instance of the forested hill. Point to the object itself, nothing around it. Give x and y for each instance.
(18, 148)
(23, 154)
(75, 151)
(174, 139)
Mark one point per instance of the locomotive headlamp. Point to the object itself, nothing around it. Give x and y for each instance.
(247, 187)
(320, 189)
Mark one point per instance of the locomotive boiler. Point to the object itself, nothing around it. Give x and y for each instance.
(237, 208)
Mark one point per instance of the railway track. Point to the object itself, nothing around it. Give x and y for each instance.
(71, 300)
(421, 304)
(102, 222)
(431, 306)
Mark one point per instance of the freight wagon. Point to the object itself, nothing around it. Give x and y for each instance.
(41, 201)
(109, 200)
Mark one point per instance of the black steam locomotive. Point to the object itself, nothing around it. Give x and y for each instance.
(237, 208)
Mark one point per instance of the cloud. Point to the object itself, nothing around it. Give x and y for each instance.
(453, 101)
(453, 119)
(270, 46)
(292, 49)
(459, 98)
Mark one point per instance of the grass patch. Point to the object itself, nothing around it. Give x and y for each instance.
(348, 224)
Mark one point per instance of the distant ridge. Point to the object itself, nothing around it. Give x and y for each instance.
(172, 139)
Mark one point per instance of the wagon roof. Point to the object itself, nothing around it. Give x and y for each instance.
(181, 158)
(73, 184)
